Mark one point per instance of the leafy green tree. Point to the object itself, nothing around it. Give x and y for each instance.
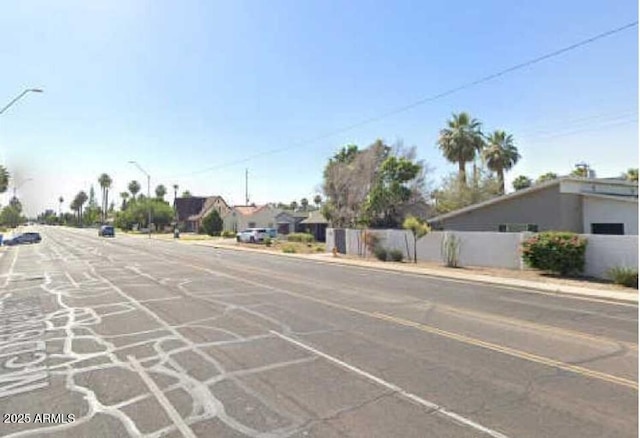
(134, 188)
(11, 215)
(546, 177)
(212, 223)
(631, 175)
(4, 179)
(137, 213)
(500, 154)
(186, 194)
(454, 195)
(390, 191)
(461, 141)
(419, 229)
(161, 190)
(105, 182)
(521, 182)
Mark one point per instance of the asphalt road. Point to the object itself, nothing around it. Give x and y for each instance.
(129, 337)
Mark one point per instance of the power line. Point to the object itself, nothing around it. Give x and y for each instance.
(417, 103)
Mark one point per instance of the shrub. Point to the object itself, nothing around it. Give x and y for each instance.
(396, 255)
(268, 241)
(300, 237)
(228, 234)
(625, 276)
(319, 248)
(380, 253)
(212, 223)
(450, 250)
(289, 249)
(559, 252)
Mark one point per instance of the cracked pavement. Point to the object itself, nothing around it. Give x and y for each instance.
(136, 337)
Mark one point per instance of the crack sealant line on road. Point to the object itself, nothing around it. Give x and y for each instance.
(433, 407)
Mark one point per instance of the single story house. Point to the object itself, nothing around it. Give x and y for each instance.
(241, 217)
(580, 205)
(190, 211)
(316, 224)
(291, 221)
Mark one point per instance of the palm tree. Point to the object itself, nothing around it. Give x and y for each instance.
(134, 188)
(461, 141)
(317, 200)
(161, 190)
(105, 184)
(501, 154)
(60, 201)
(304, 203)
(124, 196)
(293, 206)
(4, 179)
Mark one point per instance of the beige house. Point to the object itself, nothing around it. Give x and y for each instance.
(241, 217)
(581, 205)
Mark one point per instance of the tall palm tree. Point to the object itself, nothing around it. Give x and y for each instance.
(461, 141)
(161, 190)
(60, 201)
(105, 184)
(124, 196)
(134, 188)
(317, 200)
(501, 154)
(304, 203)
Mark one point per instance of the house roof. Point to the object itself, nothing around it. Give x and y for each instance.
(247, 210)
(623, 198)
(193, 207)
(532, 189)
(315, 217)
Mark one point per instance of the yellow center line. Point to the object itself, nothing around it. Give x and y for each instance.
(439, 332)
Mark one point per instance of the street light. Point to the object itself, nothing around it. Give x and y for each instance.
(135, 163)
(20, 96)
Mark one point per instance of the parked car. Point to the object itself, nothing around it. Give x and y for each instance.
(106, 231)
(253, 235)
(28, 237)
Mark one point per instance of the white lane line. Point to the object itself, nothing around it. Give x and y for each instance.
(13, 263)
(164, 401)
(430, 405)
(73, 282)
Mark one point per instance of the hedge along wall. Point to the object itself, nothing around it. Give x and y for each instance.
(498, 250)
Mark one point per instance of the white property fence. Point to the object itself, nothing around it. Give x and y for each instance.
(489, 249)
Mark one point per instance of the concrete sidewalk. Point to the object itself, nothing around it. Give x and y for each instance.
(631, 296)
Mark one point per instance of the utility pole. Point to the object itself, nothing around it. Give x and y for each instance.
(246, 186)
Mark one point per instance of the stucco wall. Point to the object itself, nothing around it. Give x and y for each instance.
(547, 208)
(491, 249)
(604, 210)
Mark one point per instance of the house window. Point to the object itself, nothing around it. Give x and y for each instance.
(517, 228)
(252, 225)
(607, 228)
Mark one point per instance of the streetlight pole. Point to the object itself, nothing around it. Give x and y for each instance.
(20, 96)
(135, 163)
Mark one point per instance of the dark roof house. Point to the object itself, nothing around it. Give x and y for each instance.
(191, 210)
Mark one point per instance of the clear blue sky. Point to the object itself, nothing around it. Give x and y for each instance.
(184, 86)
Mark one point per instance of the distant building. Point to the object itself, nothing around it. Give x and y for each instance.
(580, 205)
(191, 210)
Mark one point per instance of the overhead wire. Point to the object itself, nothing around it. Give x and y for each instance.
(420, 102)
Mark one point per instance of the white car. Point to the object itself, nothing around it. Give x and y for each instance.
(252, 235)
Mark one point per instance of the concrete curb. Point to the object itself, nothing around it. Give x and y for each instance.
(631, 297)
